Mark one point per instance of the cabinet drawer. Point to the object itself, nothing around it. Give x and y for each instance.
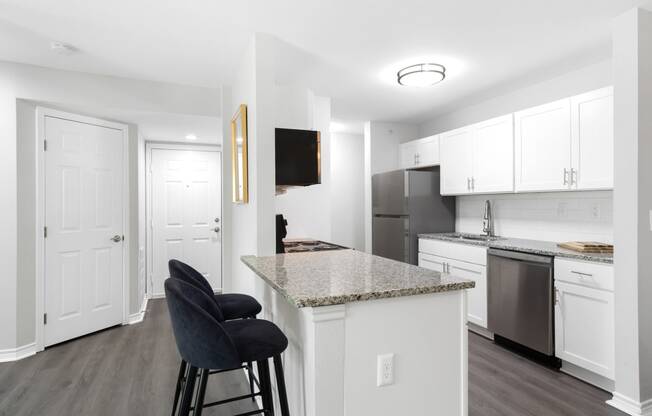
(594, 275)
(456, 251)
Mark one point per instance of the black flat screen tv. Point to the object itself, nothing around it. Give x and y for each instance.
(298, 159)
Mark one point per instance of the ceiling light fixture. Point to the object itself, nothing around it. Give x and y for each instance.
(421, 75)
(191, 137)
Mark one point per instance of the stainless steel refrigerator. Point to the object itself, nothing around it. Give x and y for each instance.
(406, 203)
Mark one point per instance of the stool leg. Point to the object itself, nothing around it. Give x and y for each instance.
(265, 384)
(177, 392)
(251, 379)
(189, 389)
(280, 385)
(199, 403)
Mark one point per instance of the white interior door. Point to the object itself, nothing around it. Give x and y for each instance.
(186, 213)
(83, 213)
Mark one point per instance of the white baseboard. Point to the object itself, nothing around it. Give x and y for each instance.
(587, 376)
(138, 317)
(15, 354)
(631, 407)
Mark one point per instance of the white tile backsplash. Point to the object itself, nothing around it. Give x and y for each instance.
(559, 216)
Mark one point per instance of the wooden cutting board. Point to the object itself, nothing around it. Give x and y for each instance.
(587, 246)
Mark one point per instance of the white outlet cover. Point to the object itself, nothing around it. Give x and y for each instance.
(385, 370)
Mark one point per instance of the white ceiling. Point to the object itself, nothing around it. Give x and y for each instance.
(350, 43)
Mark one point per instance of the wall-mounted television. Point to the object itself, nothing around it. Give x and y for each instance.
(298, 158)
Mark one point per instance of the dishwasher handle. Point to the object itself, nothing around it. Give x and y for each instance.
(520, 256)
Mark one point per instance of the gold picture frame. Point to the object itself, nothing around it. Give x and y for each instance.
(239, 166)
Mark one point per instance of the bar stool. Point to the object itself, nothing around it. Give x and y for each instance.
(206, 344)
(230, 306)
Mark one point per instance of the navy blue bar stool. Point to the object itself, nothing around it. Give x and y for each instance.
(229, 306)
(207, 344)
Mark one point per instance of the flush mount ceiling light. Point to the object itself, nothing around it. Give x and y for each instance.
(421, 75)
(191, 137)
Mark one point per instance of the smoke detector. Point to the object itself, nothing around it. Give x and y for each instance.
(62, 48)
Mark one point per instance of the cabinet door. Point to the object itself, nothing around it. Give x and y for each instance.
(456, 149)
(592, 121)
(543, 147)
(493, 155)
(477, 297)
(584, 327)
(427, 150)
(408, 158)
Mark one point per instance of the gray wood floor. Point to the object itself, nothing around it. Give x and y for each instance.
(132, 370)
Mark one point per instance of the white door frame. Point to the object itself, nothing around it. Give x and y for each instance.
(41, 113)
(149, 146)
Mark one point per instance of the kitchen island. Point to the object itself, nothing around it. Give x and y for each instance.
(341, 309)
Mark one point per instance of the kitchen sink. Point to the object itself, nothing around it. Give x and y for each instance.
(474, 237)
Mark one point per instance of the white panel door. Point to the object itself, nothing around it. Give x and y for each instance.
(493, 155)
(584, 327)
(83, 212)
(543, 147)
(593, 140)
(456, 153)
(186, 213)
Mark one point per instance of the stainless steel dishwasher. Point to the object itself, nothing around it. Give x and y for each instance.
(521, 299)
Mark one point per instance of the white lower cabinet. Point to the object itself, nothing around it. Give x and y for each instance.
(464, 261)
(584, 316)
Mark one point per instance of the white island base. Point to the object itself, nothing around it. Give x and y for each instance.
(331, 360)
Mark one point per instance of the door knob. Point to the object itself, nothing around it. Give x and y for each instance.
(216, 229)
(116, 238)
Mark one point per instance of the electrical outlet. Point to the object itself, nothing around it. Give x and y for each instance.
(595, 211)
(385, 370)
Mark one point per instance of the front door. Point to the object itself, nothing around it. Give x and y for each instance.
(186, 213)
(84, 228)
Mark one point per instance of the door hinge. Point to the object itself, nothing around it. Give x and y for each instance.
(45, 232)
(45, 319)
(45, 145)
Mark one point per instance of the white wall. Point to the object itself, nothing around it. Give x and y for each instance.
(62, 89)
(381, 142)
(306, 209)
(555, 216)
(632, 59)
(347, 190)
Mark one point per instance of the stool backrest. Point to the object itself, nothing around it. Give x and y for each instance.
(185, 272)
(200, 338)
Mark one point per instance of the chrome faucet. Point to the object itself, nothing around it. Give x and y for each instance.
(487, 220)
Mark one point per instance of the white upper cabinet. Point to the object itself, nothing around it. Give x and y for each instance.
(456, 149)
(543, 147)
(493, 155)
(420, 153)
(592, 130)
(478, 158)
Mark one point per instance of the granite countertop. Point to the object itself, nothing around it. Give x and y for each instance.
(546, 248)
(341, 276)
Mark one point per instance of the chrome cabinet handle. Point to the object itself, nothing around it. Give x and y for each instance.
(573, 176)
(217, 219)
(565, 176)
(116, 238)
(582, 275)
(556, 296)
(216, 229)
(472, 183)
(468, 184)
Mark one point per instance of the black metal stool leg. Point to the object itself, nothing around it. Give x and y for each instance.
(189, 389)
(177, 392)
(280, 385)
(266, 387)
(199, 403)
